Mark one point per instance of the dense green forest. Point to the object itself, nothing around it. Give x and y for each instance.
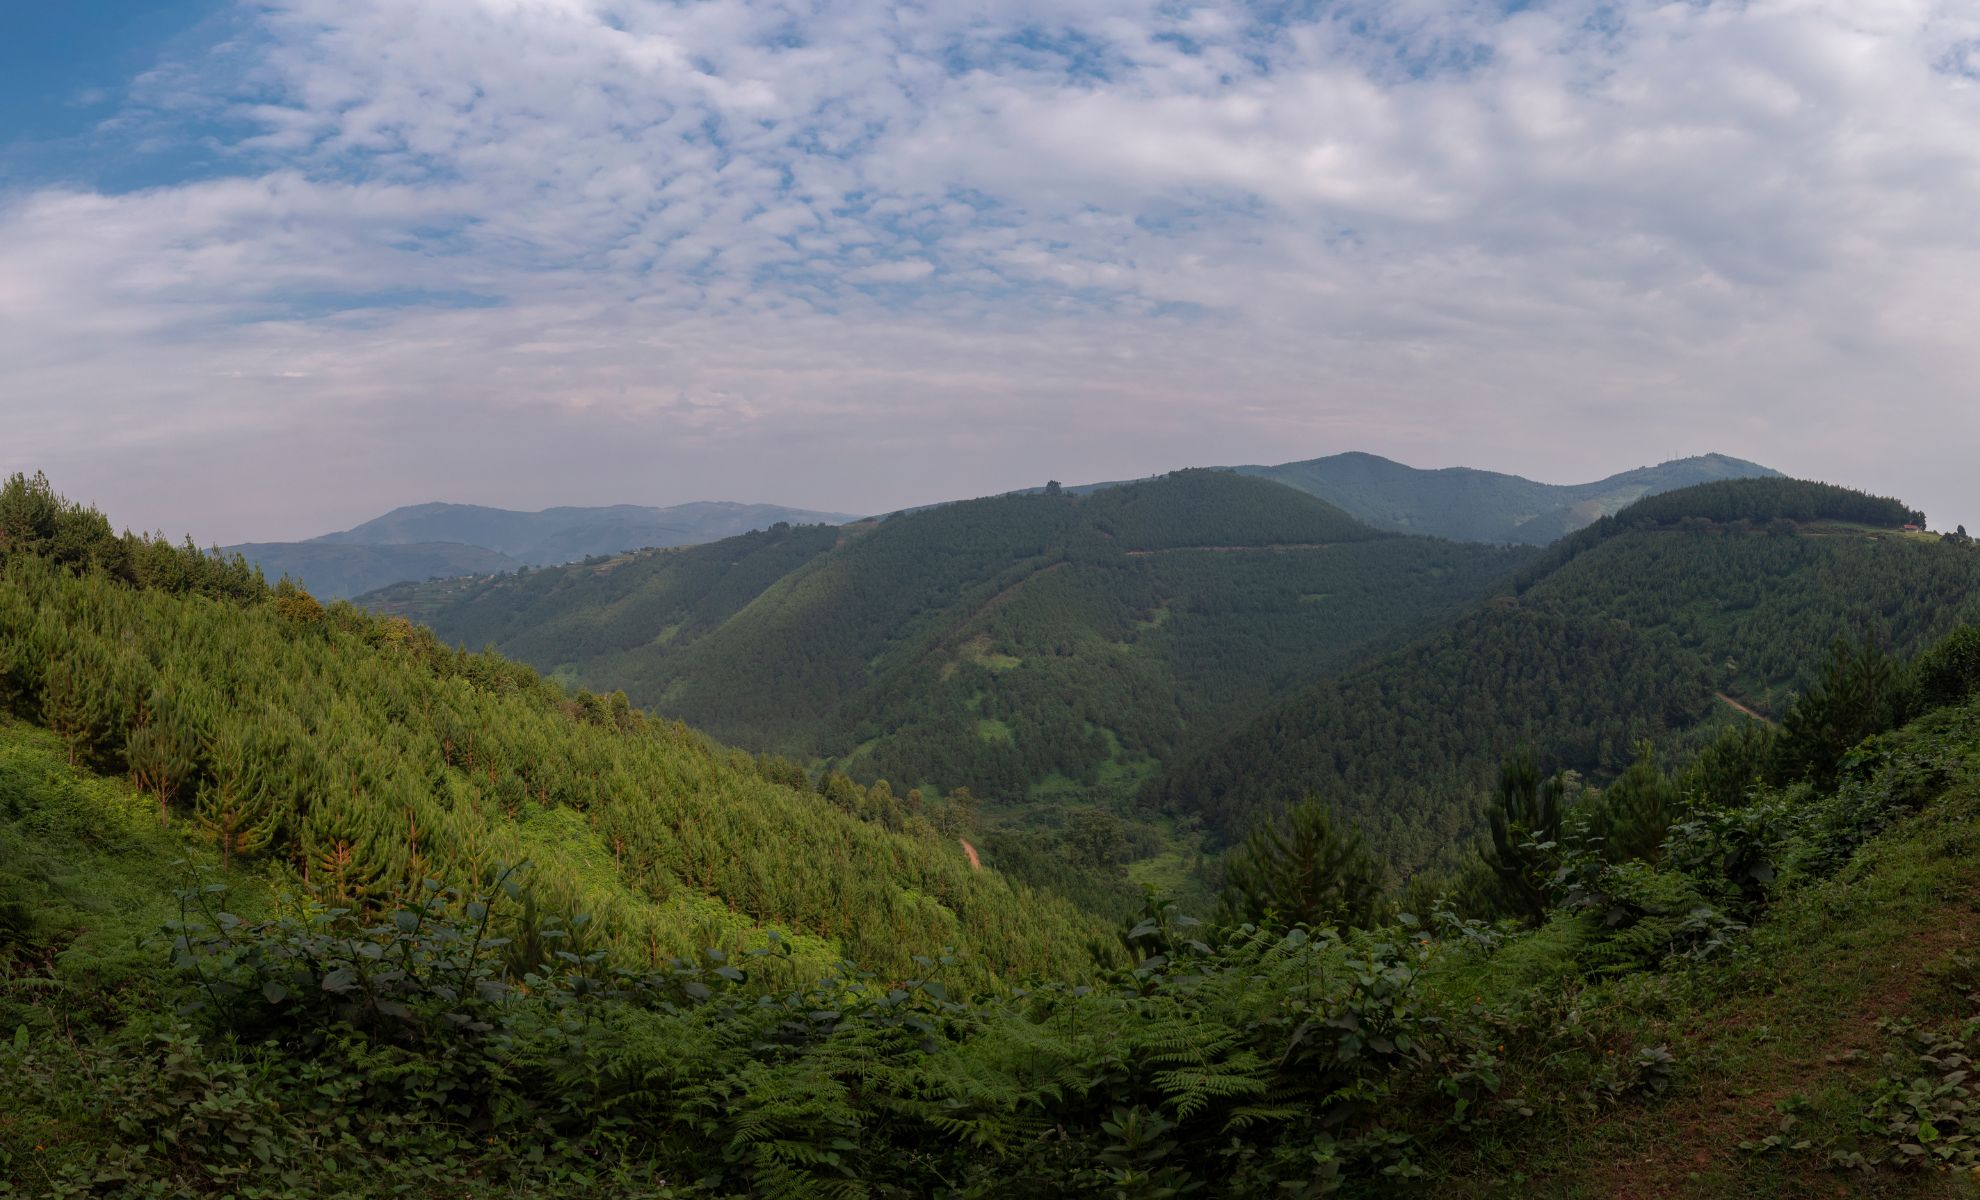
(231, 971)
(1017, 646)
(362, 756)
(1649, 625)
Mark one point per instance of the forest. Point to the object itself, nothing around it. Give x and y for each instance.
(1653, 625)
(1019, 645)
(364, 756)
(298, 901)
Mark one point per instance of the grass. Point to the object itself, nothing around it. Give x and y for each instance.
(978, 650)
(87, 861)
(990, 729)
(1857, 529)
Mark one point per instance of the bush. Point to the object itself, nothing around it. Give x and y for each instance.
(1949, 672)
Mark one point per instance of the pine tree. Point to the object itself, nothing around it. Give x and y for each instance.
(162, 747)
(1857, 695)
(237, 804)
(1525, 822)
(1304, 870)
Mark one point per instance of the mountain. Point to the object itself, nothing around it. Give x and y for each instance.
(1662, 622)
(560, 535)
(338, 571)
(426, 541)
(294, 894)
(1485, 506)
(360, 756)
(1015, 644)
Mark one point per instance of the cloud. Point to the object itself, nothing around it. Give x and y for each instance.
(905, 270)
(863, 255)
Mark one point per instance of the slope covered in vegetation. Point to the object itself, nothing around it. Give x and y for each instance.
(1486, 506)
(1694, 1005)
(331, 571)
(1651, 625)
(363, 756)
(1008, 644)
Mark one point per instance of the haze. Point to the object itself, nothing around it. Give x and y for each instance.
(268, 270)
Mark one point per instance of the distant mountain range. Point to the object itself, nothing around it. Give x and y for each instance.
(425, 541)
(1469, 505)
(336, 571)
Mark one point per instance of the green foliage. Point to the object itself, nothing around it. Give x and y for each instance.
(1022, 646)
(1635, 635)
(440, 1039)
(1856, 695)
(1303, 869)
(1524, 821)
(1949, 672)
(1726, 771)
(362, 755)
(35, 521)
(1631, 816)
(322, 1051)
(1926, 1111)
(364, 999)
(1762, 500)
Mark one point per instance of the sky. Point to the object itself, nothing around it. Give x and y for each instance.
(269, 269)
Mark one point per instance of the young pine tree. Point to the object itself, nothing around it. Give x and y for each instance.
(1525, 821)
(1857, 695)
(1304, 869)
(238, 803)
(1635, 812)
(162, 746)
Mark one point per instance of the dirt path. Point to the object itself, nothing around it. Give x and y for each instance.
(1732, 703)
(997, 601)
(975, 863)
(1228, 549)
(1690, 1144)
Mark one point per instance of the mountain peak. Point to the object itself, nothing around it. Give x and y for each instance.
(1469, 504)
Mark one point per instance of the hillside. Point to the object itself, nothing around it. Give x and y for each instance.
(1012, 644)
(1656, 624)
(1485, 506)
(1773, 996)
(337, 571)
(566, 534)
(359, 756)
(427, 541)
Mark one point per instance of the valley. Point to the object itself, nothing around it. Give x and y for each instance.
(1087, 809)
(1007, 645)
(1116, 600)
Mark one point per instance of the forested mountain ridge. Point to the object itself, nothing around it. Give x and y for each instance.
(359, 755)
(1004, 644)
(567, 533)
(1486, 506)
(338, 571)
(424, 541)
(1653, 624)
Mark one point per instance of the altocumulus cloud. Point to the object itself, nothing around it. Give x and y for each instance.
(859, 254)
